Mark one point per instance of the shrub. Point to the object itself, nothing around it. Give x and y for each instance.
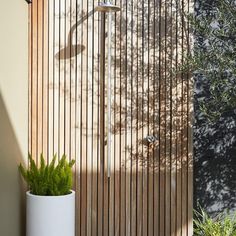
(223, 225)
(213, 58)
(48, 179)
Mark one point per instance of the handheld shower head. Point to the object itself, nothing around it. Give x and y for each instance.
(107, 7)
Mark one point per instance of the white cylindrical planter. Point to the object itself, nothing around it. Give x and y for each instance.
(50, 215)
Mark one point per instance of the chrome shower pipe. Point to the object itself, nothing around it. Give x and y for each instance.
(109, 8)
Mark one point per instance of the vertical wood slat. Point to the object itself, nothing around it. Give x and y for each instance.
(89, 102)
(184, 128)
(39, 76)
(45, 81)
(190, 131)
(133, 120)
(67, 79)
(139, 121)
(173, 123)
(162, 121)
(106, 180)
(56, 74)
(78, 82)
(168, 144)
(111, 211)
(84, 117)
(122, 117)
(150, 190)
(71, 41)
(50, 85)
(30, 52)
(95, 124)
(101, 125)
(62, 79)
(179, 124)
(34, 56)
(151, 114)
(156, 120)
(129, 116)
(117, 122)
(145, 122)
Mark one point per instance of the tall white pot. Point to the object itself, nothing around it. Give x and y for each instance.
(50, 215)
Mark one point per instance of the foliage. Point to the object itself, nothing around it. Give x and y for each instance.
(48, 179)
(223, 225)
(214, 55)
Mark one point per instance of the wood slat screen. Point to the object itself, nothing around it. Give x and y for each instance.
(150, 188)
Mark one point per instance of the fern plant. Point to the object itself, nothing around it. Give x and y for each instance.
(49, 179)
(223, 225)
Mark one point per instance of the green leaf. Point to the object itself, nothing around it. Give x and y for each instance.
(48, 179)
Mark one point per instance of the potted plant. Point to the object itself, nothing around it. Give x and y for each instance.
(50, 202)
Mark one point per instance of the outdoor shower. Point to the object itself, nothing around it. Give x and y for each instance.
(109, 8)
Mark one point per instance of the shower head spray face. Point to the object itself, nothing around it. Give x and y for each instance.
(107, 7)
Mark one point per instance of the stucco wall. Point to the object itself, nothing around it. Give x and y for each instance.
(13, 113)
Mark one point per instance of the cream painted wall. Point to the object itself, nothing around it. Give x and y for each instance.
(13, 113)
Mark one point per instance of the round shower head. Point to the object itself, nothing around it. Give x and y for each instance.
(107, 7)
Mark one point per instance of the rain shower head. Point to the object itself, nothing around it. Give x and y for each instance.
(107, 7)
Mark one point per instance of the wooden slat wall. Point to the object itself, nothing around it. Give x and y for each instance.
(150, 189)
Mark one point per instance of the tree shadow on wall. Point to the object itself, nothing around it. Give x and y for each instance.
(149, 97)
(214, 148)
(215, 161)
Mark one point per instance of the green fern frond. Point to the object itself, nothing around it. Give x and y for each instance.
(223, 225)
(49, 179)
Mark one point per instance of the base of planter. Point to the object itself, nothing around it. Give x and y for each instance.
(50, 215)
